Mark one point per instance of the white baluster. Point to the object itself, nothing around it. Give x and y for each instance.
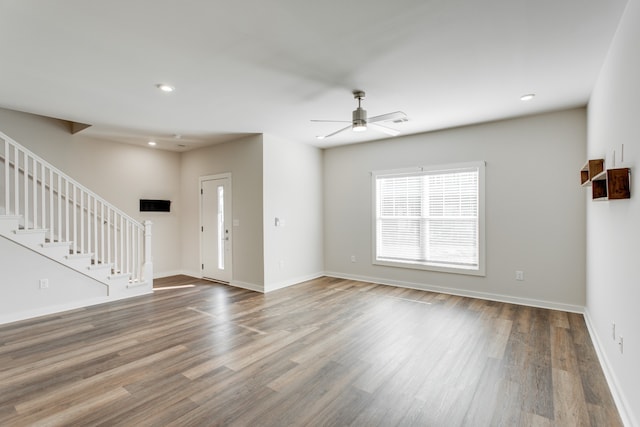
(52, 228)
(26, 191)
(102, 256)
(66, 209)
(16, 181)
(87, 216)
(7, 162)
(82, 242)
(95, 229)
(76, 241)
(148, 262)
(109, 235)
(43, 213)
(128, 246)
(35, 192)
(59, 231)
(121, 234)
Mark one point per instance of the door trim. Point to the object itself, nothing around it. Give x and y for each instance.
(230, 201)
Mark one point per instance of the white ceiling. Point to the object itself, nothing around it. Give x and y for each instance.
(270, 66)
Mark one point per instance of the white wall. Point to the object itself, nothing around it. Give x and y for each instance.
(120, 173)
(243, 159)
(535, 216)
(21, 296)
(292, 192)
(613, 228)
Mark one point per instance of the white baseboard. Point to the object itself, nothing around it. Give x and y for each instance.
(245, 285)
(44, 311)
(622, 403)
(290, 282)
(462, 292)
(162, 274)
(198, 275)
(55, 309)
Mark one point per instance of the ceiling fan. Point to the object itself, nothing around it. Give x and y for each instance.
(360, 122)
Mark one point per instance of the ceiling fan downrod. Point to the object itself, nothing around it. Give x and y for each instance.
(359, 121)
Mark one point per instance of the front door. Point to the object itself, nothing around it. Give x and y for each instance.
(215, 222)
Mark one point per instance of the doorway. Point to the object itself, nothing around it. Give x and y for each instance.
(215, 227)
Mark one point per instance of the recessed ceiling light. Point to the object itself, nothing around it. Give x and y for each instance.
(165, 87)
(152, 143)
(527, 97)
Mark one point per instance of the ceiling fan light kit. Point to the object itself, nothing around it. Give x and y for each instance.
(359, 120)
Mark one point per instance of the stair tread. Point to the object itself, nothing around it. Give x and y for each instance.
(55, 244)
(99, 266)
(30, 230)
(74, 256)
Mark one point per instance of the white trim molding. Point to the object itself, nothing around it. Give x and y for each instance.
(612, 380)
(462, 292)
(291, 282)
(248, 286)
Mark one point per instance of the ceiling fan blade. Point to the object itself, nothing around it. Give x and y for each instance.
(336, 132)
(385, 129)
(331, 121)
(397, 115)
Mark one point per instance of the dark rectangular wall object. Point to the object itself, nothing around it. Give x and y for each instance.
(147, 205)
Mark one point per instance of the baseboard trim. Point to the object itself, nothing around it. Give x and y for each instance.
(248, 286)
(612, 380)
(46, 311)
(198, 275)
(462, 292)
(163, 274)
(290, 282)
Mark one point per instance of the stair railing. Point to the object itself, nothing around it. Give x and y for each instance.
(47, 199)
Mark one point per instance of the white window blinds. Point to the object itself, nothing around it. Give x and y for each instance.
(429, 218)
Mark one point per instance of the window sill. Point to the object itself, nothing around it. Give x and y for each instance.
(440, 268)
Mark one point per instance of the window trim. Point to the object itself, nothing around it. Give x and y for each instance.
(480, 165)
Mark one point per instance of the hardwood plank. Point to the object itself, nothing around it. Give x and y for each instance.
(68, 415)
(559, 319)
(563, 351)
(247, 352)
(80, 389)
(568, 399)
(501, 331)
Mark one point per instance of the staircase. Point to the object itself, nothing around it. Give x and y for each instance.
(46, 211)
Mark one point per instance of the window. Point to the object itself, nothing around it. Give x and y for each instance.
(430, 218)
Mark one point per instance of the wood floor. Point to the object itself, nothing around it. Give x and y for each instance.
(328, 352)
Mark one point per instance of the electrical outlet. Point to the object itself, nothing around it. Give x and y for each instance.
(44, 283)
(519, 275)
(613, 330)
(353, 258)
(621, 345)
